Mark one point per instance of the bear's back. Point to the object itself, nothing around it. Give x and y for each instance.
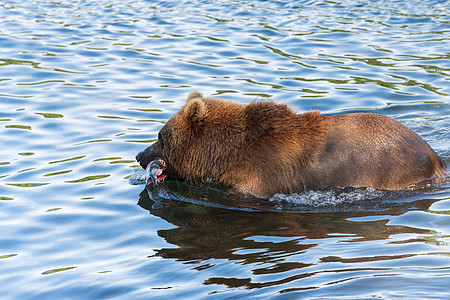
(372, 150)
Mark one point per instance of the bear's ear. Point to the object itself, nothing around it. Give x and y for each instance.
(195, 111)
(194, 95)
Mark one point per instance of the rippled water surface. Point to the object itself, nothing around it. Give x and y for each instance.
(85, 85)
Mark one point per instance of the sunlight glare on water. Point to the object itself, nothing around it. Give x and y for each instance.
(86, 85)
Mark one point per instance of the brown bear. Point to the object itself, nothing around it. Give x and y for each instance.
(265, 148)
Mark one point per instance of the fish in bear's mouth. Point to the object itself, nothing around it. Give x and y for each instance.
(154, 172)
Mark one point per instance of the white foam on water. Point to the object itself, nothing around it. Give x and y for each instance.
(326, 198)
(351, 199)
(306, 200)
(138, 176)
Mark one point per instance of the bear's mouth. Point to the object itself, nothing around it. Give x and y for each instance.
(154, 172)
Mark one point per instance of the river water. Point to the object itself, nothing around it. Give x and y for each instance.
(86, 85)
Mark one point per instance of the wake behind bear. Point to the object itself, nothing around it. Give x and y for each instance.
(265, 148)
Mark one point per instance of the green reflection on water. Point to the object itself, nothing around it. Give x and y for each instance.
(42, 82)
(7, 61)
(146, 109)
(53, 209)
(68, 159)
(94, 141)
(58, 173)
(19, 127)
(88, 178)
(335, 81)
(151, 121)
(107, 158)
(26, 170)
(50, 115)
(57, 270)
(27, 184)
(141, 141)
(7, 256)
(113, 117)
(220, 92)
(122, 162)
(140, 97)
(26, 153)
(15, 96)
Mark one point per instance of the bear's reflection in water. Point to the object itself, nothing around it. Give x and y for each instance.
(214, 225)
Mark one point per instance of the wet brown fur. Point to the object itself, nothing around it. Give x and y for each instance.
(265, 148)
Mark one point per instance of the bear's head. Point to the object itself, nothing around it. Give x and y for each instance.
(200, 141)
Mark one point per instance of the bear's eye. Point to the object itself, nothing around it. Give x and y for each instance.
(161, 143)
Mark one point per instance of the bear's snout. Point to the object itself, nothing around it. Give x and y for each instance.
(149, 154)
(144, 157)
(138, 156)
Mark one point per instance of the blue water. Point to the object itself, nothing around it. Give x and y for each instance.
(85, 85)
